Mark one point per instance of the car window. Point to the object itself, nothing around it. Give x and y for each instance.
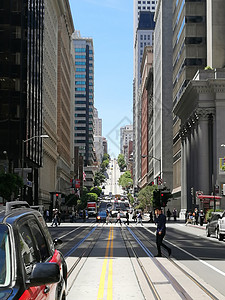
(28, 250)
(5, 257)
(40, 241)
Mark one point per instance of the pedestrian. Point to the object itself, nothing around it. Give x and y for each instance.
(189, 218)
(139, 218)
(202, 217)
(47, 215)
(196, 215)
(118, 219)
(84, 215)
(160, 232)
(55, 218)
(73, 216)
(168, 214)
(174, 214)
(127, 217)
(134, 216)
(108, 217)
(151, 217)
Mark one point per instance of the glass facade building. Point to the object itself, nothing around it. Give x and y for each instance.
(84, 97)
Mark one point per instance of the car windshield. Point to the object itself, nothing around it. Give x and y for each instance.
(5, 261)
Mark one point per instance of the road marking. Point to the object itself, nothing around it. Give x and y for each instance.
(195, 257)
(107, 261)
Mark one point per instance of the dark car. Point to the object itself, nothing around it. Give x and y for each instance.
(101, 216)
(30, 266)
(212, 225)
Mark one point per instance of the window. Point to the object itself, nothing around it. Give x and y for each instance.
(80, 82)
(80, 56)
(80, 70)
(80, 63)
(80, 76)
(80, 49)
(80, 89)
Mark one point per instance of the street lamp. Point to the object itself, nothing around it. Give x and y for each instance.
(22, 160)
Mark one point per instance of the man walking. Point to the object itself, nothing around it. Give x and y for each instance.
(160, 232)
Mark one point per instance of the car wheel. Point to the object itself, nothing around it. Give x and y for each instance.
(219, 236)
(207, 232)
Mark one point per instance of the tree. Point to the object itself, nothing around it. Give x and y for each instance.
(99, 178)
(121, 162)
(97, 190)
(145, 197)
(92, 197)
(10, 185)
(126, 180)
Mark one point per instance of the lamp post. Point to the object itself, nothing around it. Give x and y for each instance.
(22, 159)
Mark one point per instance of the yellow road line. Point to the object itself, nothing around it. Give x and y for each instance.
(110, 273)
(104, 267)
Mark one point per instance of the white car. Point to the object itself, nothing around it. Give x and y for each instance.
(221, 227)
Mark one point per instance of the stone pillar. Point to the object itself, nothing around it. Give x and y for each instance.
(183, 175)
(203, 153)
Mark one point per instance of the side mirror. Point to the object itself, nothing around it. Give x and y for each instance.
(44, 273)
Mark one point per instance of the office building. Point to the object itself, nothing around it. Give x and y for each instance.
(21, 86)
(189, 55)
(58, 89)
(143, 36)
(126, 135)
(201, 110)
(84, 102)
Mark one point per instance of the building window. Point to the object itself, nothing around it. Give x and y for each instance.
(80, 49)
(80, 70)
(80, 56)
(80, 63)
(80, 82)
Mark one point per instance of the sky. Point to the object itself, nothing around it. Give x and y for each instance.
(110, 24)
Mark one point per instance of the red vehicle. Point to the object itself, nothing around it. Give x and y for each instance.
(30, 266)
(92, 209)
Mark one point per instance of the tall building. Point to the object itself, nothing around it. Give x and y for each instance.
(126, 135)
(201, 109)
(143, 36)
(162, 95)
(146, 104)
(21, 84)
(189, 55)
(58, 86)
(84, 101)
(97, 123)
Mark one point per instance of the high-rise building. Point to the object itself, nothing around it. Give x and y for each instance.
(21, 84)
(84, 101)
(58, 89)
(143, 36)
(162, 94)
(189, 55)
(97, 123)
(126, 135)
(201, 106)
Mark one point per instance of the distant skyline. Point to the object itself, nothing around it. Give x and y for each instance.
(110, 24)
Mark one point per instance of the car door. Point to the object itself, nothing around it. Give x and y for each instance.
(34, 249)
(213, 223)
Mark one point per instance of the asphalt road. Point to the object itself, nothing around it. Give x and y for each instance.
(95, 273)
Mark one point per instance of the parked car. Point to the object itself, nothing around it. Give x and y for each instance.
(212, 225)
(30, 265)
(101, 216)
(221, 227)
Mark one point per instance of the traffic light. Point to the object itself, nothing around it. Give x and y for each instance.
(165, 196)
(151, 183)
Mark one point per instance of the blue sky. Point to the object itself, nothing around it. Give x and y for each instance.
(110, 24)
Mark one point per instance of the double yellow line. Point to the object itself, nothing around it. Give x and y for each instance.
(107, 262)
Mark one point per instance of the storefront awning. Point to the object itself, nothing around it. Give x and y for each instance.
(209, 197)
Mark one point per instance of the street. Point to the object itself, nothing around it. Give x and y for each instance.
(117, 262)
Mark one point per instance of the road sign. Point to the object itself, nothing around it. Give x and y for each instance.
(77, 183)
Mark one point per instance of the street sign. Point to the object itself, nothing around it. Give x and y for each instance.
(77, 183)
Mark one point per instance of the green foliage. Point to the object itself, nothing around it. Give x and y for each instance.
(105, 162)
(97, 190)
(99, 178)
(145, 197)
(208, 68)
(121, 162)
(10, 185)
(208, 215)
(131, 198)
(126, 180)
(92, 197)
